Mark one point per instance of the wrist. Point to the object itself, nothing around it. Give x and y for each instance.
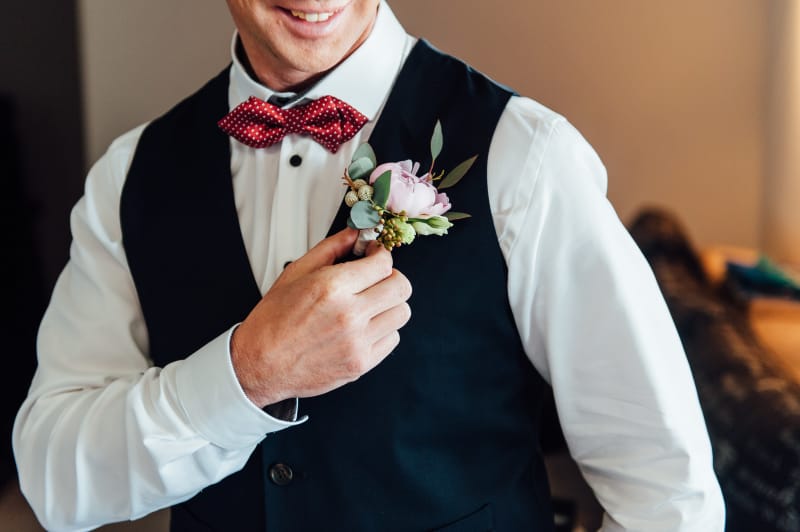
(251, 375)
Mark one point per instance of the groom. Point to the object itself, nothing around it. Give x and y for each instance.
(203, 298)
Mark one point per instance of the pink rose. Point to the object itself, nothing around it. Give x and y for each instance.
(415, 195)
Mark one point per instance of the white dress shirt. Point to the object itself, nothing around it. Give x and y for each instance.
(105, 436)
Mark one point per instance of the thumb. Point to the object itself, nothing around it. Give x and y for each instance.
(373, 248)
(326, 252)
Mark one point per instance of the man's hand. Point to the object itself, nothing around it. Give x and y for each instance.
(321, 325)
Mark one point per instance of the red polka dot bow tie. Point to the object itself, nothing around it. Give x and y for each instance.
(259, 124)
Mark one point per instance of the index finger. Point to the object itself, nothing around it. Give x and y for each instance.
(361, 273)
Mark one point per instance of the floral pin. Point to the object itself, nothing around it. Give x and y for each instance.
(390, 203)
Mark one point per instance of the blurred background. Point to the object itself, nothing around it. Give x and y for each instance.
(694, 107)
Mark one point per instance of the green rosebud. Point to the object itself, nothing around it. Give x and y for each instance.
(439, 222)
(435, 225)
(406, 232)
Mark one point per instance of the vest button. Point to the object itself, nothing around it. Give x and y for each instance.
(281, 474)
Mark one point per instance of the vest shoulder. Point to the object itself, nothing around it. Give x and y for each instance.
(450, 64)
(213, 94)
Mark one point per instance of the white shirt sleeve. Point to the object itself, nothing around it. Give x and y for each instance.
(104, 436)
(595, 325)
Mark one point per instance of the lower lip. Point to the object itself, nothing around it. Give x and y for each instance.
(312, 30)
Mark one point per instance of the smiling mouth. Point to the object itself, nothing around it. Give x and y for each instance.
(312, 17)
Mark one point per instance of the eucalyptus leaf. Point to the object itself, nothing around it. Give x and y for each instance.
(457, 173)
(452, 216)
(381, 188)
(437, 140)
(360, 168)
(365, 150)
(350, 223)
(364, 216)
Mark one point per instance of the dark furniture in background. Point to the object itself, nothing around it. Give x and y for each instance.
(750, 403)
(23, 298)
(42, 171)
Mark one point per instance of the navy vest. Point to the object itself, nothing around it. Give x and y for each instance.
(443, 434)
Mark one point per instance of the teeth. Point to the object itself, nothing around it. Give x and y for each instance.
(312, 17)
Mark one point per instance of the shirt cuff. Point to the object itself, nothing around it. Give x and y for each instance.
(214, 402)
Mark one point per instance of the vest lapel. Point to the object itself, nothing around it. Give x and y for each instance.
(179, 222)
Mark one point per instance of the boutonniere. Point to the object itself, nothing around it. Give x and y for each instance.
(390, 203)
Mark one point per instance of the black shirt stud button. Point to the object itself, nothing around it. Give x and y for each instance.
(295, 160)
(281, 474)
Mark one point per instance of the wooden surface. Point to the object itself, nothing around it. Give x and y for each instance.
(777, 324)
(775, 321)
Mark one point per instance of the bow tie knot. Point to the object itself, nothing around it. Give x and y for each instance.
(259, 124)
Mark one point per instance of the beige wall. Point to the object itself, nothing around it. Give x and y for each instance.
(669, 93)
(781, 227)
(140, 57)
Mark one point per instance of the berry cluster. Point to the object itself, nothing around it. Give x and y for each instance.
(396, 231)
(359, 191)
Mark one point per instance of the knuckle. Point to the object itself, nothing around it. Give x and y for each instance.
(325, 289)
(394, 341)
(405, 288)
(290, 267)
(387, 344)
(405, 313)
(383, 262)
(346, 323)
(354, 366)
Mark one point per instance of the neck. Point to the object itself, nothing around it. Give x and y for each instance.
(268, 81)
(283, 80)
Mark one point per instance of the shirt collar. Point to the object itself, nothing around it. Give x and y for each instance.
(374, 65)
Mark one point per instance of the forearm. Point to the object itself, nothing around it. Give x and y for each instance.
(105, 452)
